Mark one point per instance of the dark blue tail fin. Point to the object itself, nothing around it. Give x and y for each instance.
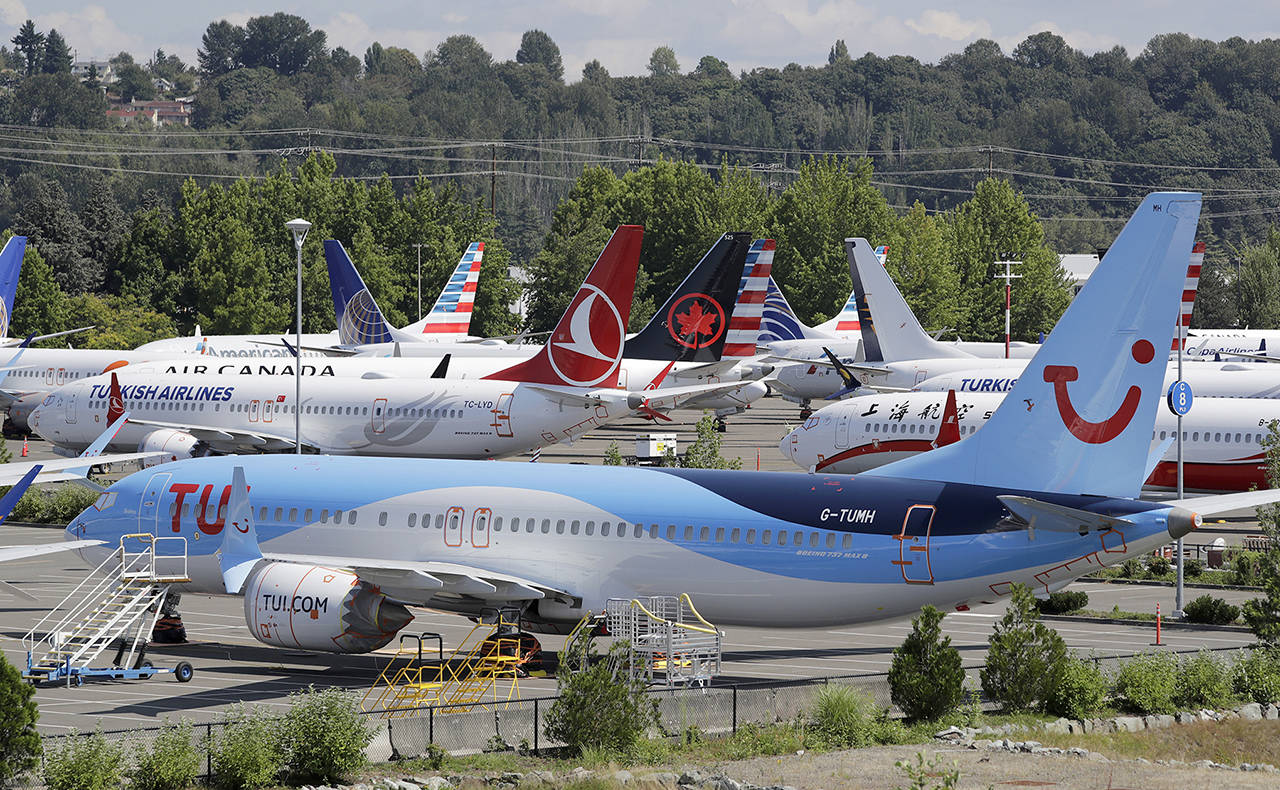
(10, 268)
(360, 322)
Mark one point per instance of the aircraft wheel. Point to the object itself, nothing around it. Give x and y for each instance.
(183, 672)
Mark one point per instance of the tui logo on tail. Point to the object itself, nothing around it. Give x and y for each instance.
(1096, 432)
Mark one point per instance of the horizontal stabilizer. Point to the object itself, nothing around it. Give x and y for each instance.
(10, 553)
(1225, 503)
(1036, 514)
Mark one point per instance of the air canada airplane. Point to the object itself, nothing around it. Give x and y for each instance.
(1222, 448)
(559, 394)
(329, 552)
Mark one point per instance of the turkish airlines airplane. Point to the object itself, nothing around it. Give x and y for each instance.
(556, 395)
(329, 552)
(1222, 444)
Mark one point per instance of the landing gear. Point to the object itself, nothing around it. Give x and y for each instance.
(169, 629)
(721, 425)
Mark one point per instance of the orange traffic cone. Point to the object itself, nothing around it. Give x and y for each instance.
(24, 447)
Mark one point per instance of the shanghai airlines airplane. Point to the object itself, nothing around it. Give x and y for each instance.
(329, 552)
(1222, 437)
(557, 395)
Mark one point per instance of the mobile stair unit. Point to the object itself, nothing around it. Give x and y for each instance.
(117, 604)
(670, 642)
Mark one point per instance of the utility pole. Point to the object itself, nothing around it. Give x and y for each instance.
(1008, 276)
(493, 182)
(418, 247)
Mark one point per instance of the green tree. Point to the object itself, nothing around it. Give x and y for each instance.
(220, 48)
(54, 100)
(39, 307)
(324, 735)
(19, 741)
(57, 55)
(663, 63)
(1262, 613)
(1025, 657)
(536, 47)
(926, 678)
(1257, 284)
(117, 321)
(29, 44)
(599, 705)
(920, 265)
(55, 230)
(282, 42)
(133, 82)
(704, 453)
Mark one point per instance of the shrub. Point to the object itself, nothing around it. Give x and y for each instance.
(248, 754)
(926, 679)
(19, 741)
(1246, 567)
(172, 763)
(1063, 602)
(84, 763)
(324, 736)
(1158, 565)
(598, 707)
(844, 716)
(1081, 690)
(1132, 569)
(1208, 609)
(1025, 657)
(1192, 568)
(1147, 683)
(1256, 675)
(38, 506)
(1203, 682)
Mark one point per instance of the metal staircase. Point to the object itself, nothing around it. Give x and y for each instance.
(670, 642)
(118, 603)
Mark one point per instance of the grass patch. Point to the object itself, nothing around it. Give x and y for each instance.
(1230, 742)
(1115, 613)
(1211, 578)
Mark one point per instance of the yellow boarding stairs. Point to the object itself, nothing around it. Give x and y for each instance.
(670, 642)
(121, 599)
(482, 669)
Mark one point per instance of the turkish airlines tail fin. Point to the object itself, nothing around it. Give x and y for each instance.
(744, 327)
(691, 325)
(450, 317)
(10, 267)
(360, 321)
(585, 349)
(1189, 293)
(890, 331)
(1079, 420)
(778, 321)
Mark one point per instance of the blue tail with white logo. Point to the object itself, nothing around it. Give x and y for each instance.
(360, 321)
(10, 268)
(1079, 420)
(779, 322)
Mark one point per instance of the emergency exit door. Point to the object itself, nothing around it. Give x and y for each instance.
(913, 545)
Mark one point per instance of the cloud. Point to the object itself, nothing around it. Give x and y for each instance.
(1084, 40)
(92, 32)
(350, 31)
(949, 25)
(13, 12)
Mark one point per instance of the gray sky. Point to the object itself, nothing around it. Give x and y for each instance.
(622, 33)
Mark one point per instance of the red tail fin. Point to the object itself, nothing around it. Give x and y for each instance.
(115, 401)
(585, 349)
(949, 430)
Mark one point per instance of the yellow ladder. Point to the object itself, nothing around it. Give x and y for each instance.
(407, 681)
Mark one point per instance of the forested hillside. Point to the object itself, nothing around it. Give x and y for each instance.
(388, 148)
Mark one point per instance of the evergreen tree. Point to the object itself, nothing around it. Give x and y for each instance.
(220, 48)
(536, 47)
(60, 236)
(1257, 284)
(19, 741)
(1025, 657)
(39, 307)
(57, 55)
(663, 63)
(926, 677)
(105, 226)
(29, 44)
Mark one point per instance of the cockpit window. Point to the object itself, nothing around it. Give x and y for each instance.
(106, 500)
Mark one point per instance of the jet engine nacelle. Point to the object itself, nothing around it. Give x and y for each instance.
(173, 443)
(308, 607)
(20, 410)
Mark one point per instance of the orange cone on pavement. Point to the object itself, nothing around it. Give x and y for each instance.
(24, 447)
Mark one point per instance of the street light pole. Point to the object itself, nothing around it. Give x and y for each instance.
(418, 247)
(299, 228)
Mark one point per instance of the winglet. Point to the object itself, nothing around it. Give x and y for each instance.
(240, 551)
(99, 444)
(442, 370)
(585, 350)
(10, 500)
(846, 376)
(949, 430)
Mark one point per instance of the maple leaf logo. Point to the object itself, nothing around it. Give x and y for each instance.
(696, 321)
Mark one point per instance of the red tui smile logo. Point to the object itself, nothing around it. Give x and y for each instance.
(1108, 429)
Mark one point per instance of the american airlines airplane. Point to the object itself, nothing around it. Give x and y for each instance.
(559, 394)
(329, 552)
(1222, 445)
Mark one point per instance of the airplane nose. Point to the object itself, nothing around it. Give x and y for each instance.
(785, 447)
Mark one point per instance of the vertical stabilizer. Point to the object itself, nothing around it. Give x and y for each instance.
(10, 268)
(450, 317)
(360, 321)
(890, 331)
(1189, 293)
(846, 325)
(585, 349)
(744, 327)
(1079, 420)
(778, 321)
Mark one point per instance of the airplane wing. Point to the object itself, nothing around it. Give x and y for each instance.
(1224, 503)
(10, 553)
(230, 440)
(575, 397)
(56, 470)
(15, 341)
(873, 370)
(709, 368)
(668, 398)
(418, 581)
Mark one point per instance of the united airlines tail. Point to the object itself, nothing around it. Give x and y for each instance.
(1079, 419)
(10, 267)
(692, 325)
(360, 321)
(585, 349)
(890, 331)
(778, 321)
(450, 317)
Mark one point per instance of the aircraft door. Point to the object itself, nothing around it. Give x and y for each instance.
(253, 410)
(502, 415)
(913, 545)
(921, 375)
(480, 528)
(453, 527)
(378, 416)
(70, 410)
(268, 410)
(149, 508)
(842, 430)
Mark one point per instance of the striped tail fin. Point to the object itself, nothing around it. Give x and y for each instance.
(744, 327)
(778, 321)
(1189, 294)
(450, 317)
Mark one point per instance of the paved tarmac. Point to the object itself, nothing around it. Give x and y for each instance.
(231, 666)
